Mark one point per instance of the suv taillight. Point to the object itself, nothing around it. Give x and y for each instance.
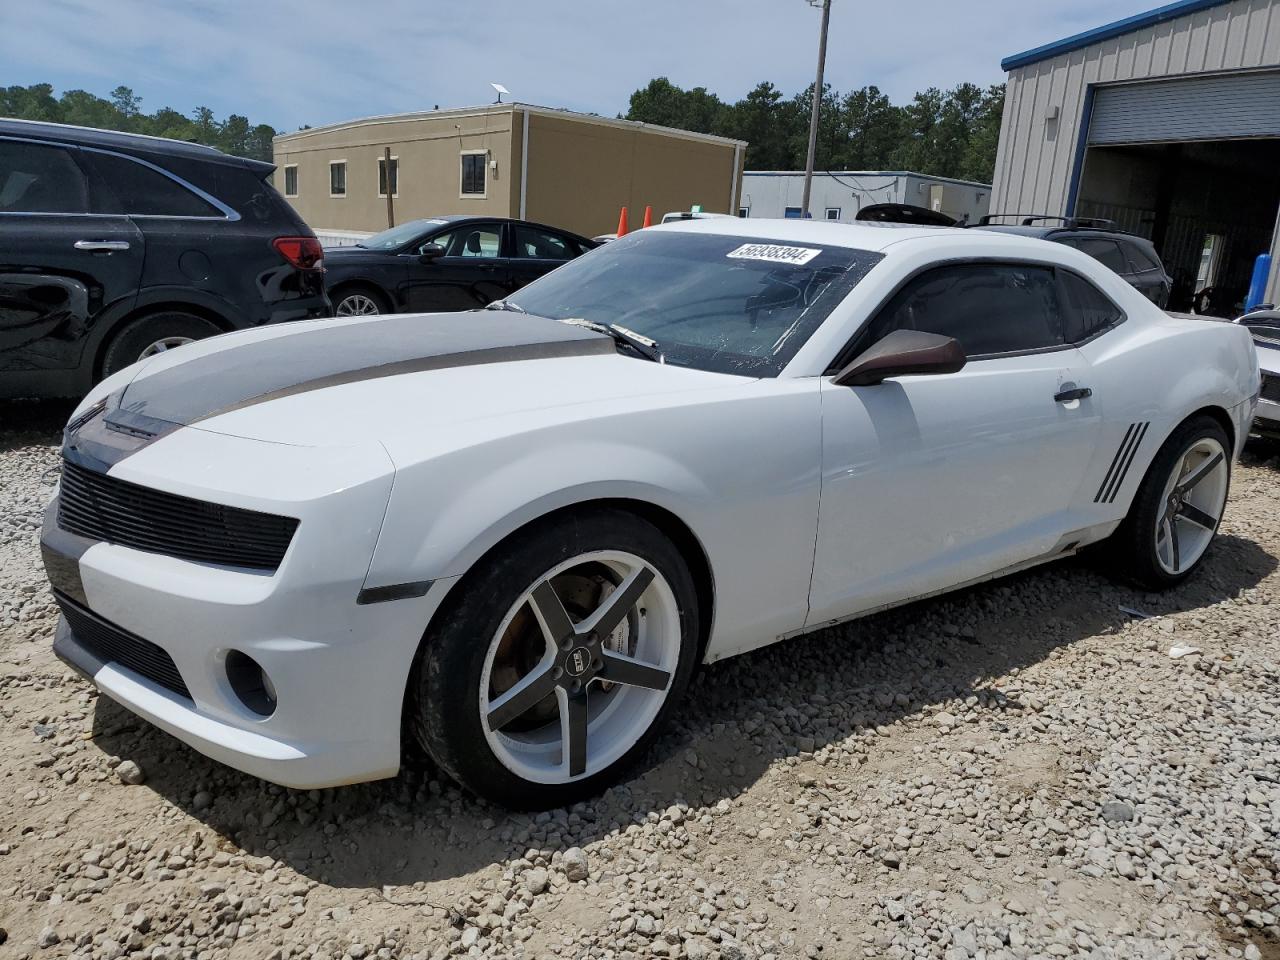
(305, 253)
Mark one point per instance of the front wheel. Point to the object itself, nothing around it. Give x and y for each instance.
(1178, 507)
(559, 661)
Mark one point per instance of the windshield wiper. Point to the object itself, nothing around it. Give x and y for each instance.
(504, 305)
(638, 342)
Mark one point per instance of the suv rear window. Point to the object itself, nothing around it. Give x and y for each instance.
(134, 188)
(1105, 251)
(1141, 260)
(35, 178)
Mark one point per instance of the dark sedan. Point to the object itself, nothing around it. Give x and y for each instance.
(446, 263)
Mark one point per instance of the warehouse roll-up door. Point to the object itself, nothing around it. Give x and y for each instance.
(1197, 108)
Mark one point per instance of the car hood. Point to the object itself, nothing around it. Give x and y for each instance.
(348, 382)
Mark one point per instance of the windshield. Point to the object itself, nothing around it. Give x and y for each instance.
(720, 303)
(399, 236)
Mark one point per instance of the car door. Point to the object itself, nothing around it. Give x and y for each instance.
(471, 273)
(537, 251)
(933, 481)
(61, 263)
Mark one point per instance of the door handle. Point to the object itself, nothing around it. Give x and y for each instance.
(1075, 393)
(102, 246)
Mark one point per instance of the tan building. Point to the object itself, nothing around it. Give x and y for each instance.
(564, 169)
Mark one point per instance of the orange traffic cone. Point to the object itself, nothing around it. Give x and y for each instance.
(648, 217)
(622, 223)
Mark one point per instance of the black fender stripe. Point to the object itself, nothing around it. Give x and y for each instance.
(1124, 469)
(1114, 460)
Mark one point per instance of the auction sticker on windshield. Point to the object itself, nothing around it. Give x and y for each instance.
(774, 253)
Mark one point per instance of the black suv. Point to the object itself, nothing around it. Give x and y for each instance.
(1134, 258)
(114, 247)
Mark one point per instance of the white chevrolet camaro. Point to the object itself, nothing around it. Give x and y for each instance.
(512, 535)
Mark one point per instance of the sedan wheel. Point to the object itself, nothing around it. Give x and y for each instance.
(580, 667)
(1194, 497)
(558, 660)
(356, 305)
(1176, 510)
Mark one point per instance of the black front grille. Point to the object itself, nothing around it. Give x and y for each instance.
(1270, 388)
(115, 645)
(99, 507)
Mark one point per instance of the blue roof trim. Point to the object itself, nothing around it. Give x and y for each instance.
(1169, 11)
(865, 173)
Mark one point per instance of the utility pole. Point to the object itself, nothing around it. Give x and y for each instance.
(817, 102)
(391, 210)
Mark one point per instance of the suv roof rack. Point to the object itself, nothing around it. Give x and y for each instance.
(1030, 219)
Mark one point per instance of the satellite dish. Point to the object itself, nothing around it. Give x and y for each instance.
(501, 90)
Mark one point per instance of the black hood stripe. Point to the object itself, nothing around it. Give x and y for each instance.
(527, 351)
(314, 358)
(324, 355)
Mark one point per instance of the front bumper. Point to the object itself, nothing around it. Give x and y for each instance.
(338, 666)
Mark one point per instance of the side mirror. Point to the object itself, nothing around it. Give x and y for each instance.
(430, 252)
(903, 352)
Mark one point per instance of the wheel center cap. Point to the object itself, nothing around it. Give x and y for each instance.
(577, 662)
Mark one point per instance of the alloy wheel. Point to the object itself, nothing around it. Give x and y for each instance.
(162, 345)
(580, 667)
(356, 305)
(1191, 506)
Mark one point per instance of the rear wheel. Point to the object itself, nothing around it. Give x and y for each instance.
(560, 660)
(358, 301)
(1178, 507)
(152, 335)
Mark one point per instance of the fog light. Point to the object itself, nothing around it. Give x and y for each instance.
(251, 683)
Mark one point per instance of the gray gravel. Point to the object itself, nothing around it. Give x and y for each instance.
(1020, 770)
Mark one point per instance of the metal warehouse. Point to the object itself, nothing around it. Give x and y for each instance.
(839, 195)
(570, 170)
(1168, 124)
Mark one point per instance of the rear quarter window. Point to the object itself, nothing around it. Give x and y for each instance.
(134, 188)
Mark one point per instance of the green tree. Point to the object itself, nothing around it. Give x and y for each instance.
(873, 124)
(123, 111)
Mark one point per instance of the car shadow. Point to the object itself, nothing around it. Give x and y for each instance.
(737, 722)
(27, 422)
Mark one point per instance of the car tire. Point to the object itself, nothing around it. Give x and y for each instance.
(488, 652)
(1176, 512)
(154, 334)
(359, 300)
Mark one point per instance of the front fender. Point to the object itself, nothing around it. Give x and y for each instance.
(464, 522)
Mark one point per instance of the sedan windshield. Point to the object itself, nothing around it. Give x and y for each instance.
(722, 303)
(399, 236)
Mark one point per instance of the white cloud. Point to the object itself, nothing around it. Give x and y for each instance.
(289, 64)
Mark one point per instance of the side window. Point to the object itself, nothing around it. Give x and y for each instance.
(1106, 252)
(39, 179)
(475, 240)
(136, 189)
(1089, 312)
(542, 245)
(990, 308)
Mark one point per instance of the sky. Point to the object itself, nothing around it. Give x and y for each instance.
(289, 63)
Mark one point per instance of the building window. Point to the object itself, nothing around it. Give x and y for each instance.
(395, 176)
(744, 212)
(473, 173)
(291, 180)
(832, 213)
(792, 213)
(337, 178)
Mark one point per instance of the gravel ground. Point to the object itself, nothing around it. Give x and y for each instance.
(1018, 770)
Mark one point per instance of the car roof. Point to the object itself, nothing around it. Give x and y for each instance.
(116, 140)
(864, 235)
(452, 218)
(1051, 232)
